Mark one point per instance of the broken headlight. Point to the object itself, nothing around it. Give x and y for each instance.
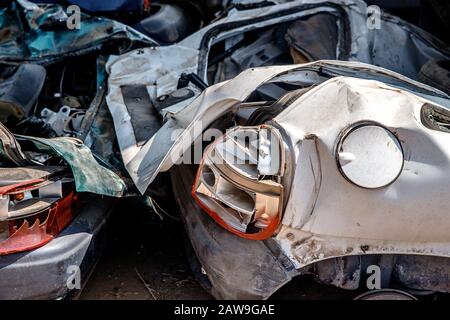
(238, 181)
(33, 211)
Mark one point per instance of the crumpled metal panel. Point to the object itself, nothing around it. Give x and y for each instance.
(158, 153)
(88, 174)
(159, 68)
(332, 219)
(328, 217)
(402, 217)
(19, 89)
(43, 45)
(9, 176)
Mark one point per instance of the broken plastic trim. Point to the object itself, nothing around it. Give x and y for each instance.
(17, 200)
(238, 181)
(23, 237)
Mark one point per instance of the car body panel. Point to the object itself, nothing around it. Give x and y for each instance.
(48, 272)
(159, 68)
(331, 227)
(399, 218)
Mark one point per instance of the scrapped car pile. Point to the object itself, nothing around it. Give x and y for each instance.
(299, 138)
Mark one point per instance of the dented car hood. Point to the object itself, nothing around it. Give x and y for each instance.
(158, 70)
(330, 217)
(328, 213)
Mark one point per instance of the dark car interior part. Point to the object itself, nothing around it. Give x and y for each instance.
(54, 99)
(436, 74)
(302, 36)
(193, 78)
(20, 86)
(285, 43)
(265, 114)
(167, 23)
(230, 57)
(144, 117)
(343, 49)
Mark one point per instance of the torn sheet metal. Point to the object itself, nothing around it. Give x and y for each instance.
(49, 38)
(179, 131)
(348, 218)
(328, 217)
(88, 174)
(332, 227)
(159, 68)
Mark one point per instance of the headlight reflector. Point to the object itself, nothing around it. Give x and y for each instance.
(238, 181)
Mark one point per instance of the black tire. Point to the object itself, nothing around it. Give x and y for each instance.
(436, 74)
(195, 266)
(182, 191)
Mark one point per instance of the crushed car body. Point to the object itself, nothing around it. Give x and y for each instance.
(353, 142)
(297, 135)
(59, 177)
(360, 146)
(171, 77)
(46, 37)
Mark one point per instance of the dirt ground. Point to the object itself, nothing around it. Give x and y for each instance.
(144, 259)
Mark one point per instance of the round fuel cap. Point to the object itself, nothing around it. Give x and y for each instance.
(370, 156)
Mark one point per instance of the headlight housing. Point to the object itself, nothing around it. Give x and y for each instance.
(238, 182)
